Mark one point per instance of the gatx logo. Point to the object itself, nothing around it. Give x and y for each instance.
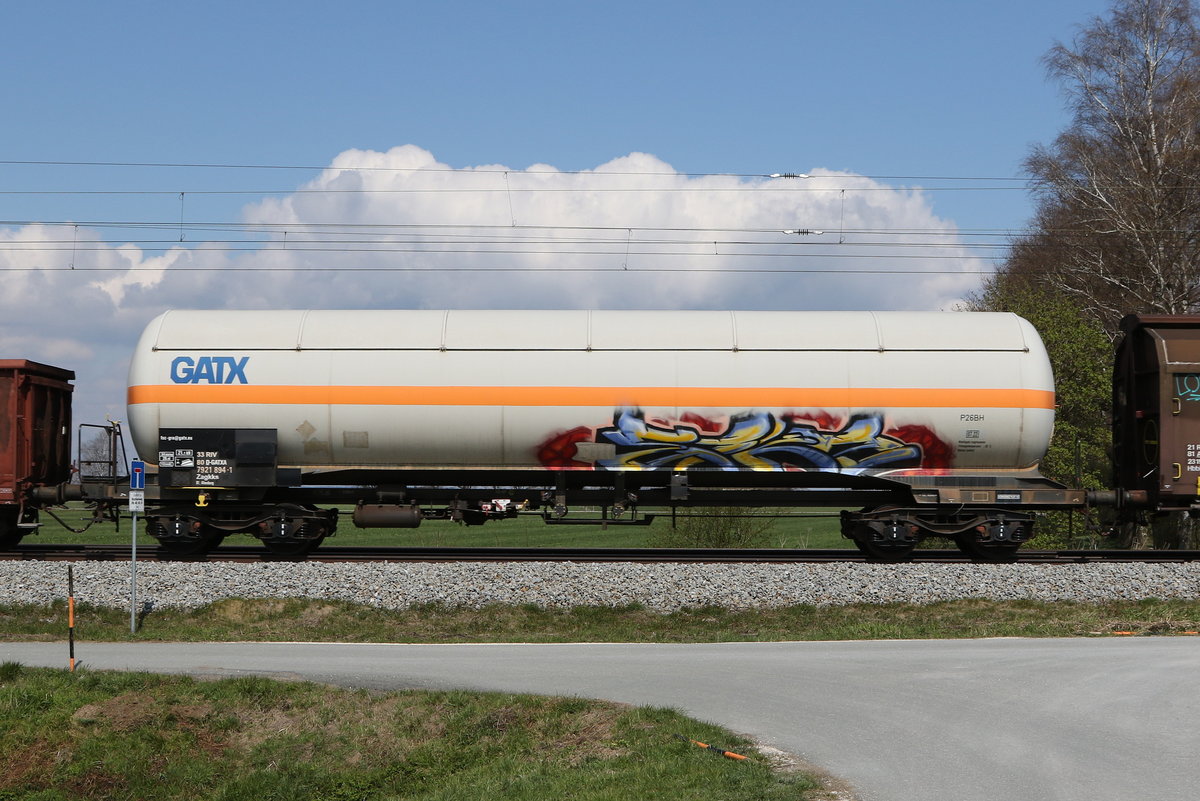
(209, 369)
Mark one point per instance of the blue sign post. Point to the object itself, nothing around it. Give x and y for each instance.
(137, 486)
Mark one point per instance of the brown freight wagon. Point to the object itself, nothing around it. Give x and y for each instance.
(35, 439)
(1156, 414)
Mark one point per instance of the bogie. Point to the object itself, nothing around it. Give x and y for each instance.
(885, 534)
(890, 534)
(285, 529)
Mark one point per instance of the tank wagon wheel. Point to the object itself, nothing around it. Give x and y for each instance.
(293, 531)
(11, 519)
(869, 529)
(997, 538)
(888, 554)
(292, 547)
(10, 534)
(207, 537)
(986, 553)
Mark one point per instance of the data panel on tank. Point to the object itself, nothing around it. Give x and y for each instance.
(216, 457)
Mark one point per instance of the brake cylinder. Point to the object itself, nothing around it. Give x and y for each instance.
(386, 515)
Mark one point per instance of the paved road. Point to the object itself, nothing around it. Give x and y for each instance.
(974, 720)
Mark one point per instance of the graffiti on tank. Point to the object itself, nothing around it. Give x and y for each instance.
(753, 441)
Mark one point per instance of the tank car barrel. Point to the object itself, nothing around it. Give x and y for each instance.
(681, 408)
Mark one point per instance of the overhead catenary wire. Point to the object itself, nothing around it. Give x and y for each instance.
(537, 240)
(532, 240)
(484, 170)
(687, 243)
(788, 181)
(265, 227)
(701, 248)
(293, 240)
(501, 269)
(443, 190)
(520, 232)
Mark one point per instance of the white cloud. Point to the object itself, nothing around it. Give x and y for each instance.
(652, 238)
(634, 212)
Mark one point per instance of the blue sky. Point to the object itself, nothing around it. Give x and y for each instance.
(898, 93)
(877, 88)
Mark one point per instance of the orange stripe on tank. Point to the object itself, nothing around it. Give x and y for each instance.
(689, 397)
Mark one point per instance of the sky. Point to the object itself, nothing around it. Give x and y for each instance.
(505, 155)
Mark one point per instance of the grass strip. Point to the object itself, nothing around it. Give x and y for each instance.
(134, 736)
(337, 621)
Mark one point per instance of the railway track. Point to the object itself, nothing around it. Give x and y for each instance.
(110, 553)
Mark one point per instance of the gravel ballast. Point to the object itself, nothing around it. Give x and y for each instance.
(660, 587)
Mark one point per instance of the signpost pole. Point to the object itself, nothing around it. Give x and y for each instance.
(137, 503)
(133, 577)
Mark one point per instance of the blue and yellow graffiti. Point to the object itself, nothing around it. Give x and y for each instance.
(755, 441)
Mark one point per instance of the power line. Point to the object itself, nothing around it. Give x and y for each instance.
(48, 244)
(358, 228)
(524, 269)
(548, 239)
(488, 191)
(517, 252)
(544, 240)
(487, 170)
(523, 240)
(454, 233)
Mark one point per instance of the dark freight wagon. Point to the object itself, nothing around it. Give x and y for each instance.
(1156, 413)
(35, 441)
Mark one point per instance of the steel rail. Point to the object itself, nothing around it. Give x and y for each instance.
(89, 552)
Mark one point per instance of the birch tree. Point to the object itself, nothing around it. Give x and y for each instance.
(1117, 225)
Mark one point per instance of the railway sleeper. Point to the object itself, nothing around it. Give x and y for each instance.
(891, 533)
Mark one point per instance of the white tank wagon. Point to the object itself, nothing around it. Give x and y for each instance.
(934, 421)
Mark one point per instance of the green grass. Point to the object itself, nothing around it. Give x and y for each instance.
(337, 621)
(135, 736)
(818, 528)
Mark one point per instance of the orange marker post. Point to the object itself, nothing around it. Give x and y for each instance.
(714, 748)
(71, 614)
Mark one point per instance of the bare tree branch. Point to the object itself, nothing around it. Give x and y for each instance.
(1118, 191)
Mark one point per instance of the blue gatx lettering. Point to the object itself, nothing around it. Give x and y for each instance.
(209, 370)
